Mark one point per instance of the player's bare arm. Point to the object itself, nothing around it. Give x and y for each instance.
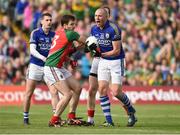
(81, 41)
(116, 49)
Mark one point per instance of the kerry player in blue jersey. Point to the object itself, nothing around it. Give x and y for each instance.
(111, 65)
(93, 85)
(40, 42)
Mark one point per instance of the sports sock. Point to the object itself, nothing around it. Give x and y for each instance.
(125, 100)
(90, 116)
(53, 110)
(54, 119)
(26, 115)
(105, 105)
(71, 115)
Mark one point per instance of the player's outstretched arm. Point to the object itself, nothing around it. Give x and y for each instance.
(35, 53)
(81, 41)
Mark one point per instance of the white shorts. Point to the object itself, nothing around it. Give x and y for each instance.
(94, 65)
(35, 72)
(111, 69)
(53, 74)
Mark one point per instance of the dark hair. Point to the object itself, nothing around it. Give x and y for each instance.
(45, 14)
(66, 18)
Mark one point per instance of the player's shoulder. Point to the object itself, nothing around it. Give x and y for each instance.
(114, 26)
(52, 32)
(71, 32)
(72, 35)
(94, 27)
(35, 31)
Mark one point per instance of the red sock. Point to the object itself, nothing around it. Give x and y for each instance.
(71, 115)
(54, 119)
(91, 113)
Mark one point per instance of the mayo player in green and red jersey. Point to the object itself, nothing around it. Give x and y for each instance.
(56, 76)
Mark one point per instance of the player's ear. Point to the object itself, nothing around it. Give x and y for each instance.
(39, 23)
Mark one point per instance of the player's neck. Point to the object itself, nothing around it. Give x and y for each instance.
(102, 27)
(46, 31)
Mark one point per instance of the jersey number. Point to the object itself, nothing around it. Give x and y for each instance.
(54, 41)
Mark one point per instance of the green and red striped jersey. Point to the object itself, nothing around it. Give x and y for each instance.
(61, 44)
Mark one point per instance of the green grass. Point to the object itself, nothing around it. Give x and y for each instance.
(152, 119)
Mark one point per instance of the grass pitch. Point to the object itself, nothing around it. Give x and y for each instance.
(152, 119)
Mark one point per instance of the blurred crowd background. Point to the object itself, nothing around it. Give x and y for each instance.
(150, 36)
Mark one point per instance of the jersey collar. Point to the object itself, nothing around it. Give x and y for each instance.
(41, 31)
(106, 25)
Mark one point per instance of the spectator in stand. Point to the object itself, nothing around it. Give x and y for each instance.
(6, 26)
(93, 6)
(18, 79)
(78, 9)
(19, 11)
(85, 66)
(28, 16)
(150, 27)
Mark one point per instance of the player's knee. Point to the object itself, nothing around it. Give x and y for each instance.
(116, 92)
(68, 94)
(54, 93)
(102, 91)
(93, 88)
(78, 90)
(28, 94)
(92, 91)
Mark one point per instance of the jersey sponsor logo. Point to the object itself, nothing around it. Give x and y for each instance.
(45, 46)
(158, 95)
(44, 43)
(42, 39)
(104, 42)
(14, 95)
(103, 39)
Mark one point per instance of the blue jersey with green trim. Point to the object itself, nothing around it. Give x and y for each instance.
(110, 32)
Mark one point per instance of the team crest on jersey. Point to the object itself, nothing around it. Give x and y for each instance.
(107, 35)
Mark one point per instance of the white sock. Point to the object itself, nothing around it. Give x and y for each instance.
(91, 119)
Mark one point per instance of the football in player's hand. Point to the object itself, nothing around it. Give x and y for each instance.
(92, 46)
(91, 43)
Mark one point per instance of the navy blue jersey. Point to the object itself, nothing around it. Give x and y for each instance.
(43, 42)
(110, 32)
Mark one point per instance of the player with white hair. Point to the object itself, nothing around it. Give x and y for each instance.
(111, 65)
